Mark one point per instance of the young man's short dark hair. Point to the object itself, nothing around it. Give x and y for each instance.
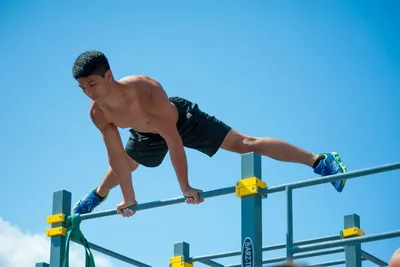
(90, 63)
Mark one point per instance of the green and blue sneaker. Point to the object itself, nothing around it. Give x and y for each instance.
(88, 203)
(331, 164)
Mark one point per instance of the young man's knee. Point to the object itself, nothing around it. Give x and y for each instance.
(239, 142)
(133, 165)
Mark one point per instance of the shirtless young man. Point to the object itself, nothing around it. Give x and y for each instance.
(159, 124)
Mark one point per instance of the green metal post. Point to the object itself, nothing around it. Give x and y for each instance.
(61, 204)
(181, 249)
(251, 244)
(352, 252)
(289, 224)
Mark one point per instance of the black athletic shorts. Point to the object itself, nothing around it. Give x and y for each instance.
(197, 129)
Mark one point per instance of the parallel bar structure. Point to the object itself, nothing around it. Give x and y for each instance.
(251, 189)
(289, 223)
(251, 211)
(231, 189)
(181, 255)
(61, 205)
(352, 251)
(332, 178)
(301, 256)
(305, 255)
(267, 248)
(116, 255)
(212, 263)
(160, 203)
(349, 241)
(373, 259)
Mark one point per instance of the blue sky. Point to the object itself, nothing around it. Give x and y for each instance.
(322, 75)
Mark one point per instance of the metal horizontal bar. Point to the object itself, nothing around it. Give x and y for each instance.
(274, 247)
(373, 259)
(317, 240)
(331, 178)
(329, 263)
(301, 256)
(267, 248)
(212, 263)
(303, 242)
(160, 203)
(234, 265)
(216, 256)
(305, 255)
(347, 241)
(114, 255)
(230, 190)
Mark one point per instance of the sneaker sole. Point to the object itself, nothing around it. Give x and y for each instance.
(342, 166)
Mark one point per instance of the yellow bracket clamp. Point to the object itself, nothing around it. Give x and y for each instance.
(352, 232)
(56, 218)
(56, 231)
(249, 186)
(177, 261)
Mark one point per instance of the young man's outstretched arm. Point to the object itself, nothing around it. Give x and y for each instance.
(164, 121)
(117, 159)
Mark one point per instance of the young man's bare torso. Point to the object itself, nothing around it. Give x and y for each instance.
(159, 124)
(132, 104)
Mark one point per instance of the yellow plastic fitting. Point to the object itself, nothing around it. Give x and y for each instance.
(56, 218)
(177, 261)
(56, 231)
(249, 186)
(352, 232)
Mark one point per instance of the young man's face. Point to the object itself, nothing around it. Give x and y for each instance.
(95, 86)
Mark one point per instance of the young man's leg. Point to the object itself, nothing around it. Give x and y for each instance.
(207, 134)
(148, 150)
(323, 164)
(100, 193)
(270, 147)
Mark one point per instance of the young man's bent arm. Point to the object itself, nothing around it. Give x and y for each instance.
(116, 154)
(118, 161)
(177, 155)
(166, 126)
(165, 122)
